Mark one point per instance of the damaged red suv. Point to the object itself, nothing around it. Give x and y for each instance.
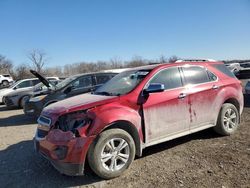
(138, 108)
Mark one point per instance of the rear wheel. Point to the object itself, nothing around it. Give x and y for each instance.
(112, 153)
(228, 119)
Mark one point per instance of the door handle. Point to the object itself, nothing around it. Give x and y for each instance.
(182, 95)
(215, 87)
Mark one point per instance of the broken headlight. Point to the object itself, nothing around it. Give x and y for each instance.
(73, 121)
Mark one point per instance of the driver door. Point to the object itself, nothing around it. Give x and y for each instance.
(166, 113)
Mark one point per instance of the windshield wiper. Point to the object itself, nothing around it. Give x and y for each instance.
(107, 93)
(102, 93)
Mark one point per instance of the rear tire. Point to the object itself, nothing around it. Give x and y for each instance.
(228, 120)
(111, 153)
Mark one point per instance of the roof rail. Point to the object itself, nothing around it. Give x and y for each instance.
(194, 60)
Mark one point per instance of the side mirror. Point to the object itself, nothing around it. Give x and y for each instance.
(154, 88)
(68, 90)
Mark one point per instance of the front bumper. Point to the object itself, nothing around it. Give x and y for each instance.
(70, 161)
(8, 101)
(33, 108)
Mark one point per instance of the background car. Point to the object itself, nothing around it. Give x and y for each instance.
(234, 67)
(20, 92)
(247, 88)
(69, 87)
(5, 79)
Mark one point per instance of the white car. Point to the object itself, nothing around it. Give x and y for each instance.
(234, 68)
(247, 88)
(20, 85)
(5, 79)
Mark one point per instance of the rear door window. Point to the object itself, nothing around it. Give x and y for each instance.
(169, 77)
(101, 79)
(24, 84)
(34, 82)
(195, 75)
(82, 82)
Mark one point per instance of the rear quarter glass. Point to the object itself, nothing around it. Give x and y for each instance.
(222, 68)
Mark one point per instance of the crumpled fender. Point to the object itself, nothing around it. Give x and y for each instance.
(103, 117)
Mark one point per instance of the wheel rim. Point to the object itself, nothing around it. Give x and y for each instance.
(115, 154)
(230, 120)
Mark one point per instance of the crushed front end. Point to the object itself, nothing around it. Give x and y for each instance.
(64, 141)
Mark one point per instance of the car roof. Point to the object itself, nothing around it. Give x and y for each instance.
(180, 63)
(111, 71)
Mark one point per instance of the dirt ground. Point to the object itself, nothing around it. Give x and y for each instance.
(204, 159)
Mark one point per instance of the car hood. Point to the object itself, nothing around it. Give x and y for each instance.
(45, 81)
(79, 102)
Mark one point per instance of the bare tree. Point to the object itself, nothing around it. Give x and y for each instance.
(22, 72)
(163, 59)
(38, 59)
(173, 58)
(115, 63)
(5, 65)
(136, 62)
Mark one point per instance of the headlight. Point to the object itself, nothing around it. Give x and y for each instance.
(73, 121)
(38, 98)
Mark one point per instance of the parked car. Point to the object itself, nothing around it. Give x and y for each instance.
(138, 108)
(19, 85)
(5, 79)
(19, 96)
(234, 68)
(247, 88)
(69, 87)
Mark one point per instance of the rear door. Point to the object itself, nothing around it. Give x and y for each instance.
(166, 113)
(202, 88)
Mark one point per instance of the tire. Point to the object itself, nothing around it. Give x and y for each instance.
(103, 145)
(5, 83)
(228, 120)
(23, 101)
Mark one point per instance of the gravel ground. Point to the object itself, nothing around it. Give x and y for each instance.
(204, 159)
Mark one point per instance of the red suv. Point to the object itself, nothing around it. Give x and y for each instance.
(138, 108)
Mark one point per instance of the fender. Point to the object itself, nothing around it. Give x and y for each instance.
(104, 117)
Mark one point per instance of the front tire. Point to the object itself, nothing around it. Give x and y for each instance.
(111, 153)
(23, 101)
(228, 120)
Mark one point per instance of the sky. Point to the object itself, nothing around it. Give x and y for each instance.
(91, 30)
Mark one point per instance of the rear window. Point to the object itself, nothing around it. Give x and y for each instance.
(222, 68)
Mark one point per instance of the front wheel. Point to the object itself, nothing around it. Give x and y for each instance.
(228, 120)
(111, 153)
(23, 101)
(5, 83)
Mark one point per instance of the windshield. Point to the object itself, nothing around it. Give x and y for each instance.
(65, 82)
(122, 83)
